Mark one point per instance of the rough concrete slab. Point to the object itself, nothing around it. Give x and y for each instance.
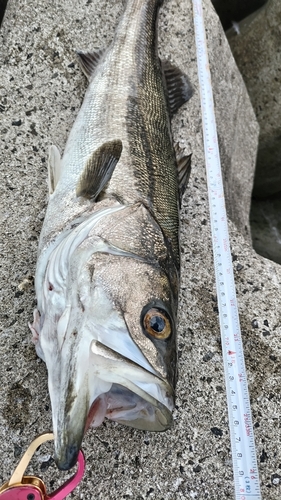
(257, 51)
(41, 92)
(234, 10)
(266, 227)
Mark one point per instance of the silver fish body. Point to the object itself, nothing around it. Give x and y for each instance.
(108, 267)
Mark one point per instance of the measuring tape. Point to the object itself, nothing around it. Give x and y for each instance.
(246, 478)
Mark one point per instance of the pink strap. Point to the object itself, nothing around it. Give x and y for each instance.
(69, 486)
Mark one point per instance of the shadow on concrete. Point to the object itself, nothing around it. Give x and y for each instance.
(3, 5)
(230, 11)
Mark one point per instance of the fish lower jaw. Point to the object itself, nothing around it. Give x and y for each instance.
(135, 397)
(123, 406)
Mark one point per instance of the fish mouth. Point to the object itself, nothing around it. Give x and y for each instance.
(138, 398)
(135, 397)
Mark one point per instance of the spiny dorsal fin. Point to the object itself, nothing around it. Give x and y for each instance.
(88, 61)
(184, 169)
(54, 168)
(98, 169)
(179, 88)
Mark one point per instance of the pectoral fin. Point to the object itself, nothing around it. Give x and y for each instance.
(179, 88)
(54, 168)
(98, 170)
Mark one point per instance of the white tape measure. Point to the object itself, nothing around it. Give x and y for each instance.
(245, 469)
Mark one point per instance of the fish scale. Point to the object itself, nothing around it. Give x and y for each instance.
(107, 277)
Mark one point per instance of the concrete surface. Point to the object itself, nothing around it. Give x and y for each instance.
(41, 90)
(266, 227)
(231, 11)
(257, 51)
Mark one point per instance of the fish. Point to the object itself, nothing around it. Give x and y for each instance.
(108, 268)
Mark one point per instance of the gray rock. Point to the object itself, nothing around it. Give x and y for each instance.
(2, 9)
(42, 87)
(266, 227)
(232, 11)
(257, 51)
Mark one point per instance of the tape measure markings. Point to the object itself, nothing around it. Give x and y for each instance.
(246, 478)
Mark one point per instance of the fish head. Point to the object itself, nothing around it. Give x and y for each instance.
(108, 338)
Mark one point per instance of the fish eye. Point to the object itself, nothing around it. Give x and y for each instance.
(157, 324)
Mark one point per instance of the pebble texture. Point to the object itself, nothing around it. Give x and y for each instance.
(41, 90)
(257, 51)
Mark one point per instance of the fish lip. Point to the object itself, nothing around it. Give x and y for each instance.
(68, 456)
(107, 353)
(68, 442)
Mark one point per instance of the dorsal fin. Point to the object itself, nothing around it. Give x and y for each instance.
(88, 61)
(179, 88)
(99, 169)
(184, 169)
